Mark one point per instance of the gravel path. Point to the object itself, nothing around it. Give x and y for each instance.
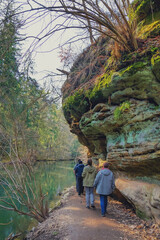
(72, 221)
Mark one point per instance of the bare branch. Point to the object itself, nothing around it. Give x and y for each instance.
(63, 71)
(96, 16)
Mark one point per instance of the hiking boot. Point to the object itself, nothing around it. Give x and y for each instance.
(92, 206)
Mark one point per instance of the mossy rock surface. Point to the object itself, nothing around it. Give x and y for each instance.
(113, 106)
(156, 67)
(75, 105)
(143, 84)
(140, 85)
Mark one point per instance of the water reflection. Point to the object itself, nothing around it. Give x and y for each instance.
(53, 177)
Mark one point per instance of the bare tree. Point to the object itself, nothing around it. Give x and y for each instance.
(89, 23)
(115, 19)
(22, 194)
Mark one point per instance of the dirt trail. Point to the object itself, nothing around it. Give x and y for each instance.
(73, 221)
(87, 224)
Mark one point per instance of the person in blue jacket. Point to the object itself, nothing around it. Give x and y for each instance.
(78, 172)
(75, 173)
(105, 184)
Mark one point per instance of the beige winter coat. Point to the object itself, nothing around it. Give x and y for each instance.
(89, 174)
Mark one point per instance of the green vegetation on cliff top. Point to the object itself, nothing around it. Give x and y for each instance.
(147, 55)
(85, 99)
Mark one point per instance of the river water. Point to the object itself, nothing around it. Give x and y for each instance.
(54, 177)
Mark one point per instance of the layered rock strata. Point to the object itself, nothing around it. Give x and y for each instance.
(120, 122)
(144, 197)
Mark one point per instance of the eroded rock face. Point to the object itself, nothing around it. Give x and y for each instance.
(143, 196)
(129, 143)
(122, 126)
(141, 84)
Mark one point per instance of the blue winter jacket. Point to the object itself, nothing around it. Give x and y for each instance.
(104, 182)
(79, 169)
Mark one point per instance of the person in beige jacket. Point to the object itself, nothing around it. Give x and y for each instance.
(89, 174)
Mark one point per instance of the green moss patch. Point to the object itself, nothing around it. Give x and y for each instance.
(141, 214)
(150, 30)
(75, 105)
(118, 112)
(155, 59)
(143, 8)
(137, 66)
(155, 62)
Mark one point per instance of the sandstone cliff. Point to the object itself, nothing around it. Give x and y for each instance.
(113, 106)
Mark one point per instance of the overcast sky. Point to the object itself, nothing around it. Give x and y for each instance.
(46, 55)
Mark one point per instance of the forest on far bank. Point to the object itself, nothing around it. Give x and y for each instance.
(32, 125)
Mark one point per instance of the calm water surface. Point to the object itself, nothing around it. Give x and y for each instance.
(54, 177)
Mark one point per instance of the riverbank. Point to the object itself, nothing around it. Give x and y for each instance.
(72, 221)
(54, 160)
(53, 177)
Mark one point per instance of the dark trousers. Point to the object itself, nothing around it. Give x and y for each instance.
(77, 183)
(103, 203)
(80, 185)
